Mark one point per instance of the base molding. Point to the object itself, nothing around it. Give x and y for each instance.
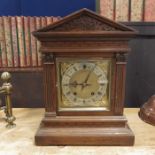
(94, 134)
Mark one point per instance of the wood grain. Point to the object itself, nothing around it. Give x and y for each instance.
(70, 38)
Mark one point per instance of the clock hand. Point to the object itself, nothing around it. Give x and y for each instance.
(74, 84)
(87, 77)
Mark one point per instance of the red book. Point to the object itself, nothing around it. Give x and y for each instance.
(2, 44)
(38, 26)
(0, 55)
(27, 41)
(43, 22)
(8, 40)
(55, 19)
(149, 10)
(107, 8)
(33, 42)
(20, 27)
(49, 20)
(14, 41)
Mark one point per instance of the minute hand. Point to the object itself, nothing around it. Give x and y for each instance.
(87, 77)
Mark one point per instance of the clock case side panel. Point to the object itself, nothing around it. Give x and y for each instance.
(121, 59)
(49, 83)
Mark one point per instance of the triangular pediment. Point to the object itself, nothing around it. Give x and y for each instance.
(84, 20)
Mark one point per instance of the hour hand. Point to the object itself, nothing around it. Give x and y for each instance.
(73, 84)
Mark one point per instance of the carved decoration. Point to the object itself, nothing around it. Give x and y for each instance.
(121, 57)
(84, 23)
(48, 57)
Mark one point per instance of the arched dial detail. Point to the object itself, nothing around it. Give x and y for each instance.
(83, 84)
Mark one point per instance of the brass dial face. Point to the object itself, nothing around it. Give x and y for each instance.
(83, 84)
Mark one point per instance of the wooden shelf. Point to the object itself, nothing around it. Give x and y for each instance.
(22, 69)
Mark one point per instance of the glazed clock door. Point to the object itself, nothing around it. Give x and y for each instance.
(84, 84)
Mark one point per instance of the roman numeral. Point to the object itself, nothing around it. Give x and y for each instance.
(99, 93)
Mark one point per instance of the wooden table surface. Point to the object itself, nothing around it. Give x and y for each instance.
(20, 140)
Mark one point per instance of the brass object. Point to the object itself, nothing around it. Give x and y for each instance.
(74, 93)
(147, 111)
(6, 90)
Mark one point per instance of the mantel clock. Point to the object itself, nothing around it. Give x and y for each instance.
(84, 62)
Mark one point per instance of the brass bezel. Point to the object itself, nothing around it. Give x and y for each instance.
(59, 90)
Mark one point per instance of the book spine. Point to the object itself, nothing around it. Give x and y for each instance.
(43, 22)
(97, 6)
(2, 43)
(136, 10)
(107, 8)
(21, 41)
(8, 41)
(55, 19)
(149, 10)
(33, 42)
(38, 26)
(0, 56)
(49, 20)
(14, 41)
(122, 10)
(27, 41)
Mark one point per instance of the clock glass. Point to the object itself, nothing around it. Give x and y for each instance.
(83, 84)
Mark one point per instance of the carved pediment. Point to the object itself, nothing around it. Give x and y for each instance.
(84, 23)
(84, 20)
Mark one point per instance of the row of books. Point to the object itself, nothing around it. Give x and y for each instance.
(127, 10)
(18, 47)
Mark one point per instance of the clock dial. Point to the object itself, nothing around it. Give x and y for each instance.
(83, 84)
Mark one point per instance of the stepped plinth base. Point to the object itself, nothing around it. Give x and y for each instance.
(111, 130)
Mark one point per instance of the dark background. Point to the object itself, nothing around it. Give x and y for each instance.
(140, 81)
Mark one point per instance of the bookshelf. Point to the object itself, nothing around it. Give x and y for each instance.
(19, 50)
(19, 55)
(21, 69)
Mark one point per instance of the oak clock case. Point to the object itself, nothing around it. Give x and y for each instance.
(83, 84)
(84, 64)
